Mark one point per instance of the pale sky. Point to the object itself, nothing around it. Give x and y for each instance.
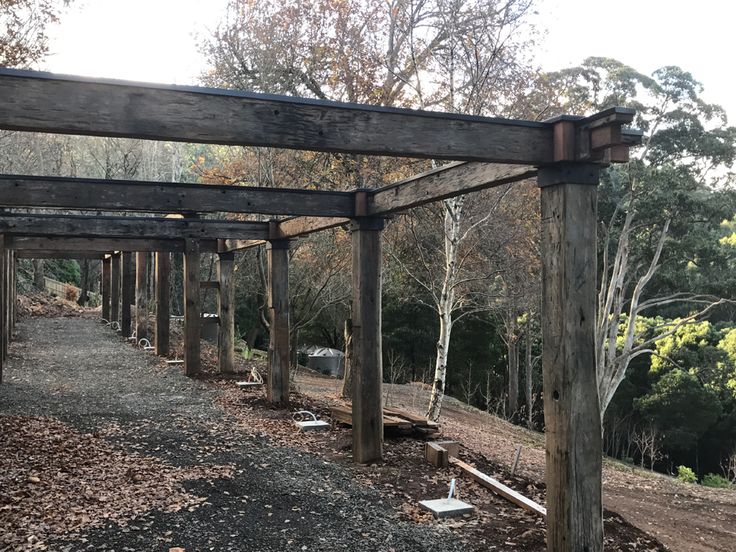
(155, 40)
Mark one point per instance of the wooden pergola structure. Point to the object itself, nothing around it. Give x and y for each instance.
(565, 154)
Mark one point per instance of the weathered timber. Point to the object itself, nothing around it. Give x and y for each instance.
(105, 285)
(500, 489)
(367, 356)
(127, 292)
(103, 245)
(277, 388)
(163, 270)
(344, 415)
(55, 254)
(436, 455)
(3, 304)
(157, 197)
(209, 284)
(443, 183)
(571, 407)
(141, 296)
(226, 312)
(115, 273)
(192, 309)
(129, 227)
(43, 102)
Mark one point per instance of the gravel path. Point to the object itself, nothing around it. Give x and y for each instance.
(78, 371)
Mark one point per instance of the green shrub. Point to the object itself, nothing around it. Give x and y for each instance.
(714, 480)
(686, 475)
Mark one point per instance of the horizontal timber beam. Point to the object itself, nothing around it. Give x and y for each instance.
(441, 183)
(157, 197)
(129, 227)
(102, 245)
(52, 254)
(44, 102)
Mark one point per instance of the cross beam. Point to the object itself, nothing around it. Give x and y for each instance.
(133, 227)
(69, 246)
(157, 197)
(44, 102)
(441, 183)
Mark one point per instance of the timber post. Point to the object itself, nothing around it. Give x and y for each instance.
(141, 295)
(278, 308)
(571, 405)
(367, 361)
(105, 285)
(127, 292)
(192, 310)
(226, 312)
(163, 301)
(115, 288)
(3, 259)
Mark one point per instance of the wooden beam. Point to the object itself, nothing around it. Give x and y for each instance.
(129, 227)
(127, 292)
(115, 273)
(105, 285)
(43, 102)
(51, 254)
(277, 389)
(499, 488)
(141, 296)
(226, 312)
(3, 304)
(209, 284)
(102, 245)
(163, 270)
(192, 309)
(441, 183)
(170, 197)
(366, 355)
(571, 407)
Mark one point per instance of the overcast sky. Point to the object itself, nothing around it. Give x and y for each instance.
(155, 40)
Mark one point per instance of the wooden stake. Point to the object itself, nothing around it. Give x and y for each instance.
(571, 407)
(141, 297)
(192, 316)
(115, 270)
(128, 292)
(163, 270)
(278, 307)
(105, 285)
(226, 312)
(367, 357)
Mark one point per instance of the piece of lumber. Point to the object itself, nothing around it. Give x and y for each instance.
(105, 285)
(103, 245)
(44, 102)
(452, 447)
(571, 406)
(226, 312)
(436, 455)
(141, 296)
(278, 307)
(367, 357)
(157, 197)
(95, 226)
(192, 309)
(499, 488)
(163, 302)
(127, 292)
(115, 274)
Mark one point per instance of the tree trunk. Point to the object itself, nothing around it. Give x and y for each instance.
(512, 352)
(38, 275)
(446, 304)
(529, 374)
(347, 381)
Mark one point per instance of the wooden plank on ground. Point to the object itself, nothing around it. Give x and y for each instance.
(499, 488)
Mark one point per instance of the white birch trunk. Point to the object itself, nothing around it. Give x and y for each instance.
(446, 304)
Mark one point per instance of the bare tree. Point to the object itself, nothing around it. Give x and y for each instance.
(648, 441)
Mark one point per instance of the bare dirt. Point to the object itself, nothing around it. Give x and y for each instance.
(684, 517)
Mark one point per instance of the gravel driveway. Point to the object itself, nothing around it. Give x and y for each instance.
(78, 371)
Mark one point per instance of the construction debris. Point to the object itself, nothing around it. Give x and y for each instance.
(394, 420)
(307, 421)
(447, 507)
